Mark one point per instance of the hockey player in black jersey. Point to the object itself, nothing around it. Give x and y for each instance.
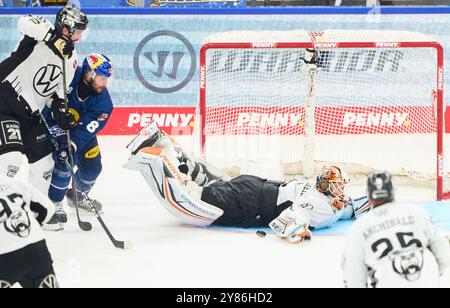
(24, 256)
(30, 79)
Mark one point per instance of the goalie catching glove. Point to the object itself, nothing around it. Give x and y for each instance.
(291, 225)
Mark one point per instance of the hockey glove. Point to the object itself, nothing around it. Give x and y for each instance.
(62, 117)
(61, 154)
(291, 226)
(61, 45)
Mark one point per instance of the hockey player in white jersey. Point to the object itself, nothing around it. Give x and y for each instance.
(30, 79)
(394, 245)
(24, 256)
(200, 195)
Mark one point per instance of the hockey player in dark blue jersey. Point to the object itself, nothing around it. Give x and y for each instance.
(91, 104)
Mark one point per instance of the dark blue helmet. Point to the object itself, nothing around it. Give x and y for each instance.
(97, 64)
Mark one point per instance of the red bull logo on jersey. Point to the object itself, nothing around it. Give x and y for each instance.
(103, 117)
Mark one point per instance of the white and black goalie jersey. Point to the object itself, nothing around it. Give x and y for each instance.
(33, 70)
(317, 207)
(395, 246)
(23, 210)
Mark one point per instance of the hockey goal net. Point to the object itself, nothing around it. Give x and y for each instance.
(293, 100)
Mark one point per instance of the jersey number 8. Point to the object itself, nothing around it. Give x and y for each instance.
(92, 127)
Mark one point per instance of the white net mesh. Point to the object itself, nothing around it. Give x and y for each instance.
(365, 108)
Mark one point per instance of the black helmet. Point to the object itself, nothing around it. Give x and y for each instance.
(379, 186)
(72, 18)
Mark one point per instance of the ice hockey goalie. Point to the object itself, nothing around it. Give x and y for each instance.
(200, 195)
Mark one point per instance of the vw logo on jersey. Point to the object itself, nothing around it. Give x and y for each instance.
(5, 284)
(46, 80)
(50, 282)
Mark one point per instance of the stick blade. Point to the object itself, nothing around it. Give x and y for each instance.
(85, 226)
(125, 245)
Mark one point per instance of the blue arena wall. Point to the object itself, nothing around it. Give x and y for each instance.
(133, 37)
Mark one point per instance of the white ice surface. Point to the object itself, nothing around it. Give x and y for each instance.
(167, 254)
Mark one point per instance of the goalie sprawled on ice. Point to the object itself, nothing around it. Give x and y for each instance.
(200, 195)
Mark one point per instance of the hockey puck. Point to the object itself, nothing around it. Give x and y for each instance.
(261, 233)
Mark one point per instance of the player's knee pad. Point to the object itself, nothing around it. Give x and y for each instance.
(40, 173)
(88, 174)
(10, 163)
(180, 197)
(90, 171)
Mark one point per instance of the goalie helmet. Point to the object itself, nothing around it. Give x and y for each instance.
(379, 187)
(72, 18)
(332, 181)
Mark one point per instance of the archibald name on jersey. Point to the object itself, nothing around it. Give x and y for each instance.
(389, 224)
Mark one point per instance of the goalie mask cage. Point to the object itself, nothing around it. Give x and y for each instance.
(363, 100)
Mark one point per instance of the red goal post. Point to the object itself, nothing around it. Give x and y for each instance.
(207, 104)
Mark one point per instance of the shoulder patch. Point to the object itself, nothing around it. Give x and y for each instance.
(103, 117)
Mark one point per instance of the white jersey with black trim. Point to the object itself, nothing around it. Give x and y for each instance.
(33, 69)
(316, 207)
(395, 246)
(23, 209)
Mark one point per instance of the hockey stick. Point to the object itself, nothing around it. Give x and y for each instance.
(116, 243)
(85, 226)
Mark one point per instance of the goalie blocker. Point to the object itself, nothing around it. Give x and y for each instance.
(198, 194)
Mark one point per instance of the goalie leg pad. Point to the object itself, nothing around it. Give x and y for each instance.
(177, 194)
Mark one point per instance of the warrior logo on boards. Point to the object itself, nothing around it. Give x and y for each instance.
(165, 69)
